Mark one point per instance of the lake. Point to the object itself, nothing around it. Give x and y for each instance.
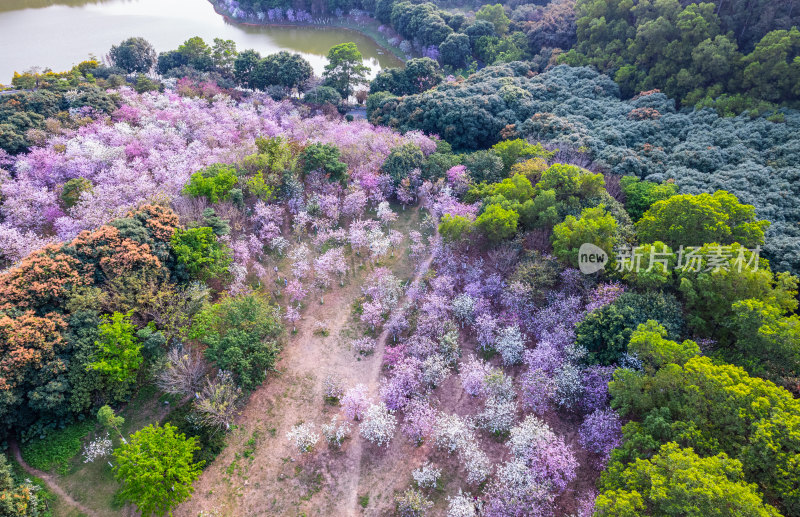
(61, 33)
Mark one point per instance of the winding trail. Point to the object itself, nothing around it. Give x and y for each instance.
(272, 479)
(372, 380)
(49, 480)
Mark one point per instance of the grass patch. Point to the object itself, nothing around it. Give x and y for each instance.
(57, 448)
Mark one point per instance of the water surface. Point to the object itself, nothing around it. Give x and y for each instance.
(58, 34)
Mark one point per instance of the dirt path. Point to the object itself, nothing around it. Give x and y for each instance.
(49, 481)
(259, 473)
(373, 382)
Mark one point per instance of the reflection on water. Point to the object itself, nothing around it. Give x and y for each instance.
(15, 5)
(60, 33)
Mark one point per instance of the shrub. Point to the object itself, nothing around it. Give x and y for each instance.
(303, 437)
(57, 448)
(413, 503)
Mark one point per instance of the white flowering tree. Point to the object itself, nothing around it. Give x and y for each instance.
(378, 425)
(303, 437)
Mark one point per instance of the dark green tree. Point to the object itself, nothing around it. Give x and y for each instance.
(241, 334)
(345, 69)
(325, 158)
(134, 55)
(455, 50)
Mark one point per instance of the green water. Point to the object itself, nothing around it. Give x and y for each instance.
(60, 33)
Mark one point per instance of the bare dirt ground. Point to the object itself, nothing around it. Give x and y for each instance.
(259, 473)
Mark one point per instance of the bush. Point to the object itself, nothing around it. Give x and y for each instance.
(57, 448)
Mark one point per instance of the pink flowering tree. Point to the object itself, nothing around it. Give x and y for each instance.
(355, 402)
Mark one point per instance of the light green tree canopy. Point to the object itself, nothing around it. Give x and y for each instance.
(156, 469)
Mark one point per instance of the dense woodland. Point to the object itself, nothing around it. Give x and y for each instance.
(173, 223)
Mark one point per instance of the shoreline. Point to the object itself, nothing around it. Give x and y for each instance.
(340, 26)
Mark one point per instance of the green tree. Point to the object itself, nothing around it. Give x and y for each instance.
(497, 223)
(156, 469)
(496, 15)
(649, 344)
(282, 69)
(767, 341)
(484, 166)
(244, 65)
(241, 336)
(325, 158)
(72, 190)
(595, 226)
(679, 482)
(709, 295)
(772, 70)
(455, 50)
(641, 195)
(651, 266)
(323, 95)
(510, 151)
(571, 183)
(199, 251)
(108, 420)
(215, 182)
(693, 220)
(605, 333)
(134, 55)
(118, 351)
(454, 228)
(402, 160)
(223, 54)
(345, 69)
(197, 54)
(745, 417)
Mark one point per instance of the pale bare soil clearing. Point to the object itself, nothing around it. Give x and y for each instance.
(259, 473)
